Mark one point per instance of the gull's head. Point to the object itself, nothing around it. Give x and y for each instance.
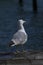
(21, 21)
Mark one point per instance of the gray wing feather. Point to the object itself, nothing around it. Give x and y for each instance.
(19, 37)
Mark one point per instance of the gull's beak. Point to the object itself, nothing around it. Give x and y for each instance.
(22, 20)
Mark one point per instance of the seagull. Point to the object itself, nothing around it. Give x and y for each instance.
(20, 37)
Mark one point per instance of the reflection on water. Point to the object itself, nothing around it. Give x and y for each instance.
(9, 15)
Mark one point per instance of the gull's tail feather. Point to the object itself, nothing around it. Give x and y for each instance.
(11, 44)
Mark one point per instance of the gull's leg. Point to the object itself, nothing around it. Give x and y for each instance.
(17, 51)
(22, 48)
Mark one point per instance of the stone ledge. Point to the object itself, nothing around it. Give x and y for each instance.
(32, 55)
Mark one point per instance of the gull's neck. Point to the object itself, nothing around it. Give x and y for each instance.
(22, 27)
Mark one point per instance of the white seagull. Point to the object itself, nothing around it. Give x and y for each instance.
(20, 37)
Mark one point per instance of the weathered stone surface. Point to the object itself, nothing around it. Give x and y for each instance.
(23, 58)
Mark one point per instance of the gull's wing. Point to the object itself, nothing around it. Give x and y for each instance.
(19, 38)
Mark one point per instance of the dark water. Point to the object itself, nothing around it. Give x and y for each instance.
(10, 12)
